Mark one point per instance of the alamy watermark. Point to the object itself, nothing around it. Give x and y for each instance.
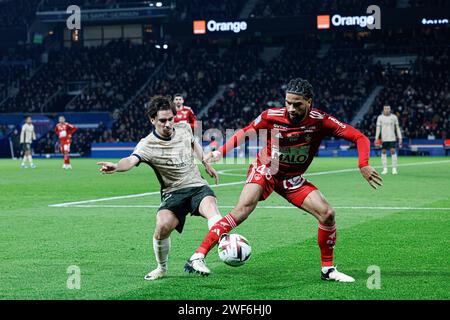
(374, 280)
(74, 280)
(73, 22)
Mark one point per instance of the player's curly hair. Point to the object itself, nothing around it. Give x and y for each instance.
(158, 103)
(301, 87)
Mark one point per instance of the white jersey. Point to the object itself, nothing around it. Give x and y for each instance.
(27, 134)
(172, 158)
(389, 127)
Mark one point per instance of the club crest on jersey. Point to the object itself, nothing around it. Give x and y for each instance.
(308, 137)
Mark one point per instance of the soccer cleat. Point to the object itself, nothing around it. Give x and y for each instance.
(33, 166)
(24, 166)
(385, 171)
(197, 266)
(333, 275)
(394, 171)
(155, 274)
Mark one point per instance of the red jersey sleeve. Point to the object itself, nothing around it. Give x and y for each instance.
(71, 128)
(192, 119)
(338, 129)
(239, 137)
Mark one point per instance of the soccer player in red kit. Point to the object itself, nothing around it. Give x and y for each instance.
(64, 131)
(184, 114)
(294, 134)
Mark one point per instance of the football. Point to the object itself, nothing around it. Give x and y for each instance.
(234, 249)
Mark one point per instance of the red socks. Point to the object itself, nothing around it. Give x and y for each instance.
(66, 158)
(326, 238)
(225, 225)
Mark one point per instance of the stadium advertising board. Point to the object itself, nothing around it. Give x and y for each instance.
(333, 21)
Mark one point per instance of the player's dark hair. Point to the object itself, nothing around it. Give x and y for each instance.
(158, 103)
(301, 87)
(178, 95)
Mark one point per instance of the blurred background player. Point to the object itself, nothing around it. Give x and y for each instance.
(184, 114)
(64, 131)
(27, 135)
(387, 124)
(170, 150)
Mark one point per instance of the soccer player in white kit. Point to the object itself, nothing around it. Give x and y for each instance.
(388, 126)
(27, 135)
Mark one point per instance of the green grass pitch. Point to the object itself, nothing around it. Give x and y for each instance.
(402, 228)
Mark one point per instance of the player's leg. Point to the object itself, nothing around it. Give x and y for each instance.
(66, 148)
(316, 204)
(384, 160)
(30, 158)
(25, 156)
(394, 160)
(166, 222)
(250, 195)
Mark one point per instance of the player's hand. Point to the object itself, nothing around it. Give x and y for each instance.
(211, 171)
(377, 142)
(213, 156)
(372, 176)
(107, 167)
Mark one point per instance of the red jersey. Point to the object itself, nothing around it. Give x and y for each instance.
(292, 146)
(65, 131)
(186, 115)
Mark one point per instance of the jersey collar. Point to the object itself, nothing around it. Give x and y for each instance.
(163, 138)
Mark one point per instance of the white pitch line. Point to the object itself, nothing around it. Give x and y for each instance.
(66, 204)
(225, 172)
(266, 207)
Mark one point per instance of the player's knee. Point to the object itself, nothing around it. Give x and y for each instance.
(162, 231)
(327, 217)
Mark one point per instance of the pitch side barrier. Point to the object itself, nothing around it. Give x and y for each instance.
(328, 148)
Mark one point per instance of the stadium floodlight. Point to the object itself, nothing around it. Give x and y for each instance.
(159, 4)
(165, 46)
(157, 46)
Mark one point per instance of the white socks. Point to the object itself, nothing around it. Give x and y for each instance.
(29, 158)
(212, 221)
(394, 161)
(384, 160)
(161, 249)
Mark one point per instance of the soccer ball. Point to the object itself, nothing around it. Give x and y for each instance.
(234, 249)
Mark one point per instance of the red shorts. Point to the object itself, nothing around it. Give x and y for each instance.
(65, 147)
(294, 189)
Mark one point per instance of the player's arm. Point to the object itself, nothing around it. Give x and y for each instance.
(199, 154)
(239, 137)
(347, 132)
(71, 130)
(192, 120)
(378, 131)
(124, 164)
(34, 134)
(22, 135)
(399, 132)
